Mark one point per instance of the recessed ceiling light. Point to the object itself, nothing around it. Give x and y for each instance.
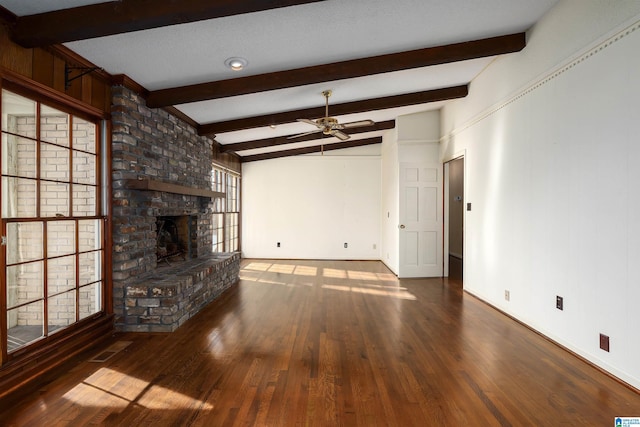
(236, 63)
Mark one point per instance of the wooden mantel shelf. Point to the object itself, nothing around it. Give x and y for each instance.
(151, 185)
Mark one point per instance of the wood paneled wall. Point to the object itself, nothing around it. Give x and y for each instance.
(227, 159)
(47, 67)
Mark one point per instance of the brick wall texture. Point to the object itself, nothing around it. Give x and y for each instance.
(152, 144)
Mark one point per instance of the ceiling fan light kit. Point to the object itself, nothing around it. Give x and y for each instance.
(329, 125)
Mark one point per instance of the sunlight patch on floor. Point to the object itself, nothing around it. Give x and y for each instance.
(86, 395)
(272, 282)
(158, 397)
(334, 273)
(305, 270)
(249, 275)
(109, 388)
(386, 277)
(400, 294)
(361, 275)
(379, 284)
(116, 383)
(358, 275)
(386, 287)
(282, 268)
(258, 266)
(259, 280)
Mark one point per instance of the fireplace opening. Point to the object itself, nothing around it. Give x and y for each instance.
(176, 237)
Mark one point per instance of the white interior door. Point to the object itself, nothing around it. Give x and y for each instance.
(420, 225)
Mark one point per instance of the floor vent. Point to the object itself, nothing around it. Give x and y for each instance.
(111, 351)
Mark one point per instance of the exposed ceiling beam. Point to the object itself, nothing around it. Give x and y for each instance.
(6, 16)
(337, 109)
(281, 140)
(115, 17)
(338, 70)
(313, 149)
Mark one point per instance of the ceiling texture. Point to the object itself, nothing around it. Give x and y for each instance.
(380, 58)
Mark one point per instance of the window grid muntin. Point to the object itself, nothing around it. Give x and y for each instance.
(90, 150)
(226, 210)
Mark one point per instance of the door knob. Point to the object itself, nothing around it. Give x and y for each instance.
(401, 226)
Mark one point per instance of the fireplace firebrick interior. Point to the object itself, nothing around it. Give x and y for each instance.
(176, 237)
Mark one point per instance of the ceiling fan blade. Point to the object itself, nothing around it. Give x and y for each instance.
(358, 124)
(303, 134)
(311, 122)
(340, 135)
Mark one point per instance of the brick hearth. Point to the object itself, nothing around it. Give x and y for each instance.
(164, 299)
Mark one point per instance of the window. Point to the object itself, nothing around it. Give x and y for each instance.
(217, 179)
(226, 214)
(52, 227)
(233, 212)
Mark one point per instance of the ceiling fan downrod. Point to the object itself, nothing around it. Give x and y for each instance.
(327, 93)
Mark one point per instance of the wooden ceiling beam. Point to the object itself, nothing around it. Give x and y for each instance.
(7, 17)
(287, 139)
(313, 149)
(337, 109)
(338, 70)
(116, 17)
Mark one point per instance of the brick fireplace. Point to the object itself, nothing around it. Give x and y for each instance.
(161, 171)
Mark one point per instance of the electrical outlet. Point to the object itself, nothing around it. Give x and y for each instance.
(559, 303)
(507, 296)
(346, 245)
(604, 342)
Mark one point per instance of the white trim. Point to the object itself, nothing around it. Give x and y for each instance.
(445, 220)
(454, 156)
(462, 154)
(591, 50)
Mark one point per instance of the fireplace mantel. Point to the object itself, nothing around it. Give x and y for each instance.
(153, 185)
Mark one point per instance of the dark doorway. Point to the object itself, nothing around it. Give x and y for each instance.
(456, 218)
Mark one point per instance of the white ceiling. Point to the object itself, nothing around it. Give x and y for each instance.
(300, 36)
(31, 7)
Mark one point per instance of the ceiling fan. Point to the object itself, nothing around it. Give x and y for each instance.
(329, 125)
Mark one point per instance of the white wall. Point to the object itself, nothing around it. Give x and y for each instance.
(312, 205)
(552, 143)
(418, 128)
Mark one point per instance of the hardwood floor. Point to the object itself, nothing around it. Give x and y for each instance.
(331, 343)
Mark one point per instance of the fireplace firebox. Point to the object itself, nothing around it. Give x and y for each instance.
(176, 237)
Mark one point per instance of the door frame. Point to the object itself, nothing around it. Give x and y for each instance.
(445, 257)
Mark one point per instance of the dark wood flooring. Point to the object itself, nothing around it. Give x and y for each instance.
(327, 343)
(455, 268)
